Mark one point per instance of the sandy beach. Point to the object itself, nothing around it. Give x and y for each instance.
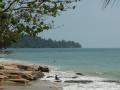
(39, 85)
(15, 76)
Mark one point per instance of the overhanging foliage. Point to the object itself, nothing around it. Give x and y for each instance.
(28, 16)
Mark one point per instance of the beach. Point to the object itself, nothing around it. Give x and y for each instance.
(20, 76)
(39, 85)
(68, 80)
(77, 69)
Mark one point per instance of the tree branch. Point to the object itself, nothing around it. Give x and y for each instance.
(40, 3)
(9, 6)
(28, 2)
(28, 7)
(21, 8)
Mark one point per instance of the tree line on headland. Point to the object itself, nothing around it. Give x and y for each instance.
(30, 17)
(38, 42)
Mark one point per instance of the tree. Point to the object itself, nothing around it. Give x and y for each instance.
(28, 17)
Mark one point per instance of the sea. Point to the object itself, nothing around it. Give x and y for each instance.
(101, 66)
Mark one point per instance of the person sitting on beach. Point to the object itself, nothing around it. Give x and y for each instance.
(56, 77)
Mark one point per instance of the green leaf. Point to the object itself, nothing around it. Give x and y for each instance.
(1, 0)
(2, 5)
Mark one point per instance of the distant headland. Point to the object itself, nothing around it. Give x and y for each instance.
(38, 42)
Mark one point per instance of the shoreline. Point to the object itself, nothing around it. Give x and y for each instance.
(39, 85)
(19, 76)
(68, 80)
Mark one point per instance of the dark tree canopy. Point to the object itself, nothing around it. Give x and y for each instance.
(28, 42)
(28, 17)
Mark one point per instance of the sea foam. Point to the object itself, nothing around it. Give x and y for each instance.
(96, 84)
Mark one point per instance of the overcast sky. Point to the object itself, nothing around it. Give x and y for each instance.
(89, 25)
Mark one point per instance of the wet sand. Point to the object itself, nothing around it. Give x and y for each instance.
(39, 85)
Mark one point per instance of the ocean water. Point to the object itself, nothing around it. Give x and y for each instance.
(95, 64)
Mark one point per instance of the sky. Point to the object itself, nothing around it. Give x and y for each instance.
(89, 24)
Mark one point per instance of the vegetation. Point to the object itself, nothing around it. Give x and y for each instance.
(28, 17)
(28, 42)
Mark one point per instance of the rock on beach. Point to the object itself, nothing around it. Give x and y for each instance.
(20, 73)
